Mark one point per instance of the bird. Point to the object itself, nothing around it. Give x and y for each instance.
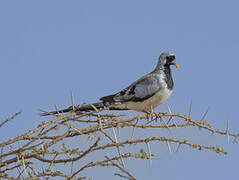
(143, 95)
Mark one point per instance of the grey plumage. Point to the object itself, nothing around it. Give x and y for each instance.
(143, 95)
(140, 90)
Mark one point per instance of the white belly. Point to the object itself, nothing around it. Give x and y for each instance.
(146, 105)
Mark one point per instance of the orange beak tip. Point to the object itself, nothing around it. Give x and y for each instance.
(175, 64)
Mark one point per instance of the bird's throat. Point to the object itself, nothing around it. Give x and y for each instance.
(168, 77)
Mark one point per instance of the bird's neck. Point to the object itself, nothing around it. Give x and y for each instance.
(168, 75)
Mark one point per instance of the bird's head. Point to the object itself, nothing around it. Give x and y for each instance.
(166, 59)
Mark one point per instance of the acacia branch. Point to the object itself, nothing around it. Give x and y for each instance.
(45, 144)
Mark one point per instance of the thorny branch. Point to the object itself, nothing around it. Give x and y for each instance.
(55, 142)
(9, 119)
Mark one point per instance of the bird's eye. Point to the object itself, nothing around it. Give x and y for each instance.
(170, 58)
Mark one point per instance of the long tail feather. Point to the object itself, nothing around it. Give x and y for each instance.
(88, 107)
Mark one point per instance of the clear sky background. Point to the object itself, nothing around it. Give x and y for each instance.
(96, 48)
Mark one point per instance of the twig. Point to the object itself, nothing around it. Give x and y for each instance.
(11, 118)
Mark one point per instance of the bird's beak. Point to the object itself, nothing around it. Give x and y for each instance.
(175, 64)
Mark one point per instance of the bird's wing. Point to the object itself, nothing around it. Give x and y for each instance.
(140, 90)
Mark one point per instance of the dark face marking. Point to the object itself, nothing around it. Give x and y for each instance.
(170, 58)
(169, 61)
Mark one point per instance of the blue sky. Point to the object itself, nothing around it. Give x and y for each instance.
(96, 48)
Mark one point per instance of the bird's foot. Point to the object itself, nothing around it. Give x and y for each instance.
(150, 115)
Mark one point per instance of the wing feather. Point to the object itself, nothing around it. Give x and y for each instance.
(140, 90)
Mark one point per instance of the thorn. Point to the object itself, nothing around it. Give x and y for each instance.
(113, 130)
(204, 115)
(169, 110)
(24, 166)
(149, 150)
(161, 118)
(178, 147)
(190, 109)
(94, 108)
(227, 132)
(118, 131)
(100, 123)
(57, 109)
(72, 101)
(171, 118)
(118, 149)
(169, 148)
(133, 132)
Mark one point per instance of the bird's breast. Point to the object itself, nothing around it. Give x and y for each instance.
(157, 99)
